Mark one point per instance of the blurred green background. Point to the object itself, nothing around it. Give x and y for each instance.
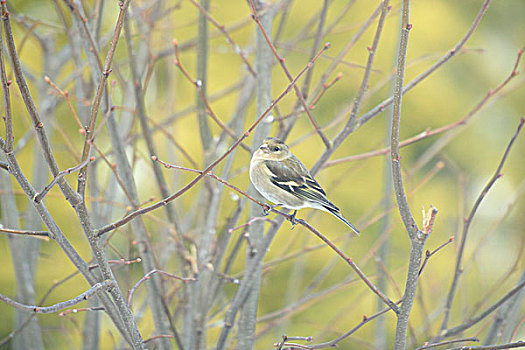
(494, 251)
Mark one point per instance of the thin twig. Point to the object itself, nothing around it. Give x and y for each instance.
(118, 178)
(39, 196)
(435, 345)
(39, 234)
(97, 288)
(7, 145)
(158, 337)
(105, 72)
(84, 309)
(519, 344)
(172, 166)
(147, 276)
(428, 254)
(356, 105)
(65, 95)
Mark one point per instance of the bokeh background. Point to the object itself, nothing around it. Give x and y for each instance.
(447, 170)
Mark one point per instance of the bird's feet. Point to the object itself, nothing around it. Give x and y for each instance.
(292, 219)
(267, 208)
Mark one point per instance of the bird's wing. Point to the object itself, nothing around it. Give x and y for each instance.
(294, 178)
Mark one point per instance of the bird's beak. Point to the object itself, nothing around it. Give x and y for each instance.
(264, 148)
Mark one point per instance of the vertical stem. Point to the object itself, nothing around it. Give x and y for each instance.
(19, 246)
(417, 238)
(24, 250)
(404, 209)
(263, 90)
(416, 253)
(202, 72)
(381, 331)
(155, 293)
(194, 317)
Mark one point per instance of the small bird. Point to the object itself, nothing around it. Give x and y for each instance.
(281, 178)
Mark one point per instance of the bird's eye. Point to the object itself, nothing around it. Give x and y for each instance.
(276, 149)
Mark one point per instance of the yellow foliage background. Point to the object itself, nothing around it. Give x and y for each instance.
(495, 242)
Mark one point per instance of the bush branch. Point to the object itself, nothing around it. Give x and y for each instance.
(96, 288)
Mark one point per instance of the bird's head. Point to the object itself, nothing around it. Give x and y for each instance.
(272, 149)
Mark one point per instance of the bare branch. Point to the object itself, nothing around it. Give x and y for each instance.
(466, 226)
(97, 288)
(435, 345)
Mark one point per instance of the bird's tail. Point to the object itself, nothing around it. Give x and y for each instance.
(335, 212)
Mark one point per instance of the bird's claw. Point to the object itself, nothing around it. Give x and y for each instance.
(267, 208)
(292, 219)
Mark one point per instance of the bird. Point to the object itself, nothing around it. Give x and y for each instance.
(281, 178)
